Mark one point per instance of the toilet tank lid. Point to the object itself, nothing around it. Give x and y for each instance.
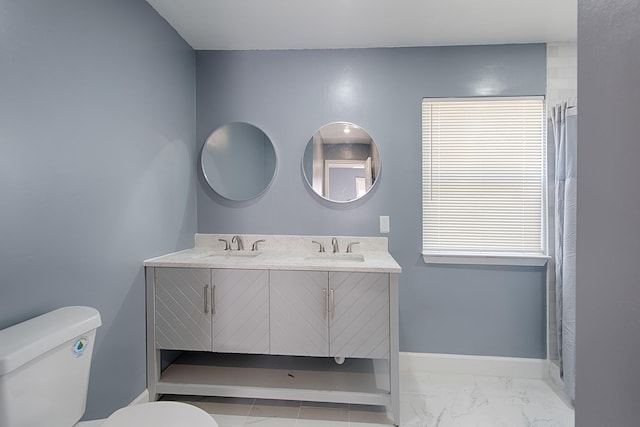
(25, 341)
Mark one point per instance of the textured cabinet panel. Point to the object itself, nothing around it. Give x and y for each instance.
(359, 315)
(298, 313)
(240, 318)
(180, 320)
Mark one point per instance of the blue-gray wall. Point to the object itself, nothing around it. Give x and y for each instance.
(97, 169)
(290, 94)
(608, 233)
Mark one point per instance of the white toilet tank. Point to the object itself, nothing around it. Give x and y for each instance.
(44, 368)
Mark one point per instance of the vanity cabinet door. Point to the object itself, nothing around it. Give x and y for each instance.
(299, 324)
(181, 321)
(240, 311)
(359, 315)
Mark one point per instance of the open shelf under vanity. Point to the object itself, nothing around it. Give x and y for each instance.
(358, 381)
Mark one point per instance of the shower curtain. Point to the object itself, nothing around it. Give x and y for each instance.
(563, 119)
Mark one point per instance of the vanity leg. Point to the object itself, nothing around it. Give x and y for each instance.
(394, 343)
(153, 373)
(153, 355)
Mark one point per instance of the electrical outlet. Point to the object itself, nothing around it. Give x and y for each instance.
(384, 224)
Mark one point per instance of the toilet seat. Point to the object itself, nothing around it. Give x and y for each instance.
(160, 414)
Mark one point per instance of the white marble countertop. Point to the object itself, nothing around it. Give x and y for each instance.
(279, 252)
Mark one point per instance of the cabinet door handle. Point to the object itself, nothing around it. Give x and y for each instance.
(213, 300)
(206, 299)
(333, 303)
(324, 303)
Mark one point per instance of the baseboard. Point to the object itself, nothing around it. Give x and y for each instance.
(417, 363)
(553, 374)
(141, 398)
(555, 382)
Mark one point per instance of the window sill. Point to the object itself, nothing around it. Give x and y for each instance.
(529, 260)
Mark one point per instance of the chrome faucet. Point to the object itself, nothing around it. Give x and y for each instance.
(321, 245)
(334, 242)
(237, 239)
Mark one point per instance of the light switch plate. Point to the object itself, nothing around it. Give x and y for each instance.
(384, 224)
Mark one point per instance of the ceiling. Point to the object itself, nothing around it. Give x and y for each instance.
(332, 24)
(344, 132)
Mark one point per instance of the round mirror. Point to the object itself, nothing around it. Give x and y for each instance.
(341, 162)
(238, 161)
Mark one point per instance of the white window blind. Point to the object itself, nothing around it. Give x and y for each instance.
(483, 176)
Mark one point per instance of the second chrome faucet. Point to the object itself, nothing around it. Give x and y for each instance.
(237, 239)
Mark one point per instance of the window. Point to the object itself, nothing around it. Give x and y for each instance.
(484, 178)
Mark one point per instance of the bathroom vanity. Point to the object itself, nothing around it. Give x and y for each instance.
(284, 318)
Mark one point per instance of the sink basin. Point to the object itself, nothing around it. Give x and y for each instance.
(336, 257)
(233, 254)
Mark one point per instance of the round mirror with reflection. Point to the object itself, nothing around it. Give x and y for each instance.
(341, 162)
(238, 161)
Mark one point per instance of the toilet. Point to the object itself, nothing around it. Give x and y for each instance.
(44, 376)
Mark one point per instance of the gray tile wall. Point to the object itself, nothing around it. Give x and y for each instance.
(562, 72)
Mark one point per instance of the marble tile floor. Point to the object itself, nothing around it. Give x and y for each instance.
(427, 400)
